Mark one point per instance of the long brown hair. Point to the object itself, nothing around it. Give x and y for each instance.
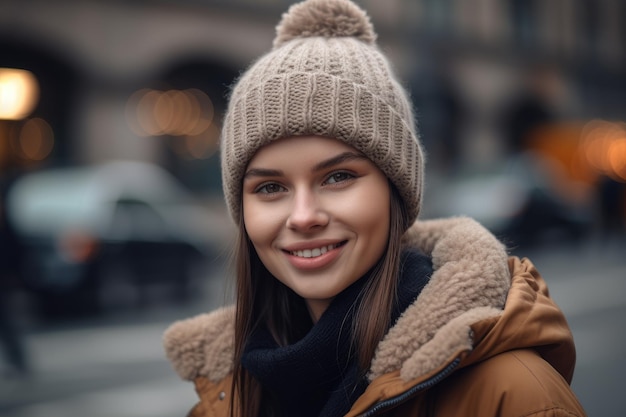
(263, 300)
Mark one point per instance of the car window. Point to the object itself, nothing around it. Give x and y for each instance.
(49, 203)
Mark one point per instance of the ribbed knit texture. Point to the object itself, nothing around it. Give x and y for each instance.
(327, 78)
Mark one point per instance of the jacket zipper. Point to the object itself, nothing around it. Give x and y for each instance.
(395, 401)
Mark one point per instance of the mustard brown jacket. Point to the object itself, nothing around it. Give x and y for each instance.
(483, 338)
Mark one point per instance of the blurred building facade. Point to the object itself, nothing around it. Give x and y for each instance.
(147, 79)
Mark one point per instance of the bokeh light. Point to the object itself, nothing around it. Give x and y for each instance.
(174, 112)
(184, 115)
(34, 140)
(19, 93)
(604, 147)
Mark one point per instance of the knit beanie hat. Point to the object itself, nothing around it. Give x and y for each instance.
(324, 76)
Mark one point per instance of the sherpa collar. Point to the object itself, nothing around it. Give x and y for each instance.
(469, 283)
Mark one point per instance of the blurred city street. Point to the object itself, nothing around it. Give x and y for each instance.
(110, 175)
(115, 366)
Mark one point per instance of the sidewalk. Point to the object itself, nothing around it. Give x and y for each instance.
(117, 370)
(113, 365)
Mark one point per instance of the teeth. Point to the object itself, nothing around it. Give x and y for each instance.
(313, 253)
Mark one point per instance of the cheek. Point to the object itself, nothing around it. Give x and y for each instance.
(370, 207)
(369, 213)
(375, 224)
(251, 216)
(260, 221)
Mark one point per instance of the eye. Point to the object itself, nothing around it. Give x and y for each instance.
(337, 177)
(269, 188)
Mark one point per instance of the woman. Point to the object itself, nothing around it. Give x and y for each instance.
(345, 304)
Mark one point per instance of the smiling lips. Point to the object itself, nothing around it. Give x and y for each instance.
(313, 253)
(314, 258)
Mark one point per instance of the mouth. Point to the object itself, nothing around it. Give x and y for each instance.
(315, 252)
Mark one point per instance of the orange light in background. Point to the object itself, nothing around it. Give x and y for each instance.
(174, 112)
(560, 143)
(171, 109)
(36, 139)
(140, 112)
(617, 158)
(604, 147)
(596, 141)
(19, 93)
(205, 115)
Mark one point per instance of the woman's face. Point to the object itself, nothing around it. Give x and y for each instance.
(317, 213)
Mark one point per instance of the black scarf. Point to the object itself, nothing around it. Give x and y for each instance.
(319, 374)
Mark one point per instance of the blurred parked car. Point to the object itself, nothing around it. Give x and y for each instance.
(524, 201)
(100, 234)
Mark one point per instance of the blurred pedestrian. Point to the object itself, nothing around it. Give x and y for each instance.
(10, 279)
(345, 304)
(531, 111)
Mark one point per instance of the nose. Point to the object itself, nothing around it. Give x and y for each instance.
(307, 212)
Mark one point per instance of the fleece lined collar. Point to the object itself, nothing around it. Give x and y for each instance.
(470, 281)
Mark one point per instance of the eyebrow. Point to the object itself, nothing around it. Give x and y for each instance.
(336, 160)
(331, 162)
(262, 172)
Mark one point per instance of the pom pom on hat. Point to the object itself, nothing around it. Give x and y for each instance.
(326, 18)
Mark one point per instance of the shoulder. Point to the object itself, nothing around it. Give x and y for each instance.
(457, 238)
(469, 283)
(514, 383)
(202, 346)
(214, 397)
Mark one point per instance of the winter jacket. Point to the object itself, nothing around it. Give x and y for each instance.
(483, 338)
